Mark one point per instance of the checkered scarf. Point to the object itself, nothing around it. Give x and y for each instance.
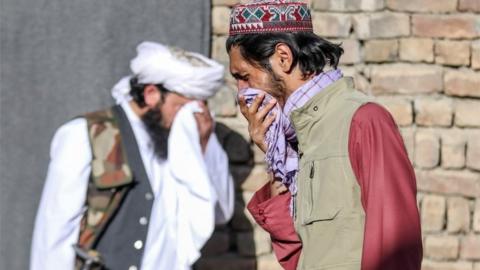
(282, 152)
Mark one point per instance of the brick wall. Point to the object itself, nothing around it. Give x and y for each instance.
(421, 58)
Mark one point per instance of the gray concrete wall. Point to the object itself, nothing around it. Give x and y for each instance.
(59, 58)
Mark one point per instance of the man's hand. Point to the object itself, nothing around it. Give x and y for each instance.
(205, 124)
(258, 122)
(277, 188)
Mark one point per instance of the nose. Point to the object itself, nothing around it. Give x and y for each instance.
(241, 84)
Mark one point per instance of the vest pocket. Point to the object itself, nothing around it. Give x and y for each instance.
(322, 197)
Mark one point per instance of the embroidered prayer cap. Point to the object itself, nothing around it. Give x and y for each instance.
(187, 73)
(266, 16)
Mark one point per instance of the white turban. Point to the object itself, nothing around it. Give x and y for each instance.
(187, 73)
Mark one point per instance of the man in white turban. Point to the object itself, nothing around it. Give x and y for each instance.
(140, 185)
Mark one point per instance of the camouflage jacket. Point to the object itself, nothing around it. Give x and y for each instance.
(109, 182)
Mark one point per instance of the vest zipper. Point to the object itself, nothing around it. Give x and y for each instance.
(310, 192)
(312, 170)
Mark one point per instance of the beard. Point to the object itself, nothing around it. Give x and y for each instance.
(276, 86)
(158, 133)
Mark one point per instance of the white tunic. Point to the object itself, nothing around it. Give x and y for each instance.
(62, 204)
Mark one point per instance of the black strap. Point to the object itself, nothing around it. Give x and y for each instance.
(124, 229)
(134, 159)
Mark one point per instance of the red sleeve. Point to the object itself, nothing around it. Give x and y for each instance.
(388, 186)
(273, 215)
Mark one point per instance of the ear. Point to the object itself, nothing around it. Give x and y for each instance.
(283, 57)
(151, 95)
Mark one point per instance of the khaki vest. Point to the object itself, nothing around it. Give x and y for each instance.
(329, 217)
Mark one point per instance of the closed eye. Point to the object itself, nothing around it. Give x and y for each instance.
(239, 77)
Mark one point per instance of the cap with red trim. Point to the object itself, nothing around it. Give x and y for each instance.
(267, 16)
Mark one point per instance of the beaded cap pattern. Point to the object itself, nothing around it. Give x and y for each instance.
(264, 16)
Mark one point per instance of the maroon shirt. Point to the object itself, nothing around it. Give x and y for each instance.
(392, 238)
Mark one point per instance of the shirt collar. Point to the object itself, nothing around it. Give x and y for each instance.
(311, 88)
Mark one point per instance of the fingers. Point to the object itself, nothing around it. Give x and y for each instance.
(256, 103)
(258, 121)
(258, 132)
(243, 105)
(280, 187)
(253, 109)
(277, 184)
(277, 187)
(269, 120)
(265, 110)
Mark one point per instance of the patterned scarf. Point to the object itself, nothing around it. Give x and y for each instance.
(281, 140)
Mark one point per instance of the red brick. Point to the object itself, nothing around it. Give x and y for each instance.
(432, 265)
(348, 5)
(463, 183)
(467, 113)
(406, 79)
(351, 53)
(476, 216)
(423, 5)
(219, 52)
(408, 135)
(441, 247)
(433, 213)
(400, 108)
(427, 149)
(446, 26)
(225, 2)
(452, 53)
(349, 71)
(416, 50)
(381, 25)
(381, 50)
(453, 150)
(473, 154)
(462, 83)
(476, 54)
(458, 215)
(433, 111)
(362, 83)
(220, 19)
(469, 5)
(470, 247)
(331, 24)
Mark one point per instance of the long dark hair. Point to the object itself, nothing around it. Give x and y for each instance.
(311, 52)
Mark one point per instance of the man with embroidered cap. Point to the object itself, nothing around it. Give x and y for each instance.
(342, 193)
(142, 184)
